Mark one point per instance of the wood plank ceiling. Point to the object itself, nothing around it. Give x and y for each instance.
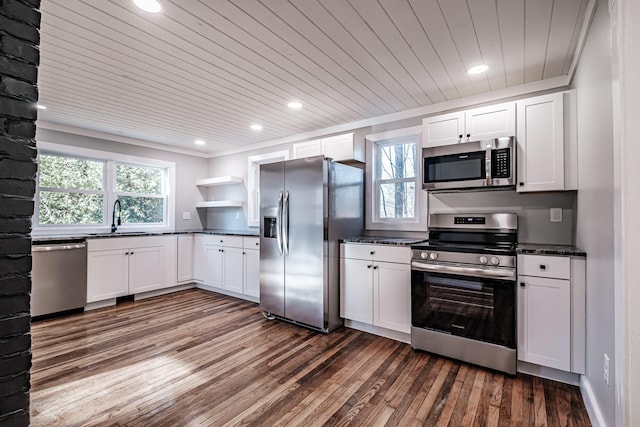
(209, 69)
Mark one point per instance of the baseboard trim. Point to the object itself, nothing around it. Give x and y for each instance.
(548, 373)
(226, 292)
(590, 402)
(376, 330)
(158, 292)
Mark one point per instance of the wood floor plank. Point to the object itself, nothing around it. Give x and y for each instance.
(203, 359)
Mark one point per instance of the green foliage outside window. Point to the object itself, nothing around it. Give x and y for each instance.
(140, 183)
(78, 198)
(72, 192)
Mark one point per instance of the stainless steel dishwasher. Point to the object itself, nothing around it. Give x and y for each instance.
(59, 276)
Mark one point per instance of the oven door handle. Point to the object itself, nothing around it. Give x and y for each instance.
(465, 271)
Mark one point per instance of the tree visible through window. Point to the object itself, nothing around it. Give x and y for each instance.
(75, 191)
(140, 190)
(71, 190)
(396, 179)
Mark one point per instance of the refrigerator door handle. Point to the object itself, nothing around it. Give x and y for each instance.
(285, 224)
(279, 224)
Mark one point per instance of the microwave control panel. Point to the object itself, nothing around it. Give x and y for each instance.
(501, 163)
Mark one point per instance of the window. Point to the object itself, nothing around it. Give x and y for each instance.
(395, 184)
(77, 189)
(140, 189)
(71, 190)
(253, 187)
(394, 181)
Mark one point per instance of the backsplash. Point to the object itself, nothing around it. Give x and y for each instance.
(534, 225)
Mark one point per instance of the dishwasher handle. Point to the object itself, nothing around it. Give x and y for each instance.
(63, 247)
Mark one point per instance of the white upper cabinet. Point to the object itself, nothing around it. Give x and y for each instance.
(489, 122)
(341, 148)
(445, 129)
(541, 144)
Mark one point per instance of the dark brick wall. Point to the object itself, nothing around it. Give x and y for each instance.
(19, 57)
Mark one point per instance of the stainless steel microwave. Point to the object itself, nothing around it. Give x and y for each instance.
(477, 164)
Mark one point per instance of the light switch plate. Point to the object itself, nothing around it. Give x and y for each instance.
(555, 214)
(186, 215)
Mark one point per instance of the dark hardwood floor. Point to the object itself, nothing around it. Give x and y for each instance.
(197, 358)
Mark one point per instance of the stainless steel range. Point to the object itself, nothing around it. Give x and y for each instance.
(463, 289)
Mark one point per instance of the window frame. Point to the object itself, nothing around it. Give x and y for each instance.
(374, 142)
(110, 160)
(253, 184)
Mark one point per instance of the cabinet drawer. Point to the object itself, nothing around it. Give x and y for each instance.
(229, 241)
(544, 266)
(388, 253)
(252, 243)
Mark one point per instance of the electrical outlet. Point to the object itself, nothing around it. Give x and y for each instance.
(606, 369)
(186, 215)
(237, 215)
(555, 214)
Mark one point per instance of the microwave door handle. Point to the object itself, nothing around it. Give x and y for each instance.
(487, 163)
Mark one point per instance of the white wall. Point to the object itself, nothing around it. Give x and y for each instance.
(595, 206)
(188, 169)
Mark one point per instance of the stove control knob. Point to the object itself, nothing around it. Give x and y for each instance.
(482, 259)
(494, 260)
(424, 255)
(433, 256)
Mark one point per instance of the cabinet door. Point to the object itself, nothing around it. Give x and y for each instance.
(392, 296)
(445, 129)
(356, 290)
(233, 269)
(252, 273)
(540, 136)
(146, 269)
(494, 121)
(185, 259)
(342, 148)
(107, 275)
(213, 265)
(198, 258)
(307, 149)
(544, 322)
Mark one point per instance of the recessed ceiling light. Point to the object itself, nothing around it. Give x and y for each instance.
(199, 142)
(40, 107)
(294, 105)
(478, 69)
(256, 127)
(151, 6)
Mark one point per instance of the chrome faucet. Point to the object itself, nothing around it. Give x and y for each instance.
(114, 227)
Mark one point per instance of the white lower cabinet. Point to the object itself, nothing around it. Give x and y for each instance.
(229, 264)
(129, 265)
(186, 246)
(107, 274)
(251, 246)
(375, 285)
(551, 311)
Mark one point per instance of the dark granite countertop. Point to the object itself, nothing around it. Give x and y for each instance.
(79, 237)
(543, 249)
(382, 240)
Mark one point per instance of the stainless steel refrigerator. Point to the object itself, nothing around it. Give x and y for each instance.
(306, 206)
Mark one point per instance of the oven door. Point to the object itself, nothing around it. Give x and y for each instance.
(479, 308)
